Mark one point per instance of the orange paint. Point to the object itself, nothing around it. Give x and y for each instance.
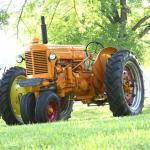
(67, 71)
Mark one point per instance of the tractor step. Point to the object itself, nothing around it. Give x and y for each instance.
(30, 82)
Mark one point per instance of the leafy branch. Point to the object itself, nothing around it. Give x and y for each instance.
(53, 14)
(20, 16)
(140, 22)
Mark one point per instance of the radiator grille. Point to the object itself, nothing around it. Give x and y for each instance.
(39, 62)
(28, 59)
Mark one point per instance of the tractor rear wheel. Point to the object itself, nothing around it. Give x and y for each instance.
(124, 84)
(11, 94)
(27, 108)
(66, 108)
(47, 107)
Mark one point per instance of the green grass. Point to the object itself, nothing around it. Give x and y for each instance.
(90, 128)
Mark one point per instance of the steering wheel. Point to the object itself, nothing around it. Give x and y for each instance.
(93, 47)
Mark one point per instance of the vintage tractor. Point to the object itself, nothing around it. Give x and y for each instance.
(57, 75)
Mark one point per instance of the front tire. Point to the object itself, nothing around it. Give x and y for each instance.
(124, 84)
(47, 107)
(27, 108)
(11, 94)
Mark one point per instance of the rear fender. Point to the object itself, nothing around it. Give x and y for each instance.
(99, 67)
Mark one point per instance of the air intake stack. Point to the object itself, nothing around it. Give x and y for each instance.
(44, 30)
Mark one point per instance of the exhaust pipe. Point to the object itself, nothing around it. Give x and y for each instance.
(44, 30)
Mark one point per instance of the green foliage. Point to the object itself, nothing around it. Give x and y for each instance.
(147, 58)
(79, 22)
(3, 17)
(130, 41)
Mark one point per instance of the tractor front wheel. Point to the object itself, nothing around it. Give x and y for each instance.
(27, 108)
(124, 84)
(47, 107)
(11, 94)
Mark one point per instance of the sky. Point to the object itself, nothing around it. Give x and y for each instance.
(9, 46)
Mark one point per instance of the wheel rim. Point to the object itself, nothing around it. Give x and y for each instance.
(16, 93)
(52, 111)
(132, 85)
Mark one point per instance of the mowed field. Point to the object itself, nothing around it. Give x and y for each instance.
(90, 128)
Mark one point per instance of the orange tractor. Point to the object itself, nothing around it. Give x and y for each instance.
(57, 75)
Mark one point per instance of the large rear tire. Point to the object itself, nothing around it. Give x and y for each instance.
(47, 107)
(124, 84)
(11, 94)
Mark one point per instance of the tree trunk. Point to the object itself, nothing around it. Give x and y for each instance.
(124, 9)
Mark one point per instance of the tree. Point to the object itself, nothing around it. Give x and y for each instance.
(119, 23)
(128, 27)
(3, 17)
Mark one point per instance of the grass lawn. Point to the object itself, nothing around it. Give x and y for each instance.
(90, 128)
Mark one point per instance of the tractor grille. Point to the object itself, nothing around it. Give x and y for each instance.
(39, 62)
(28, 63)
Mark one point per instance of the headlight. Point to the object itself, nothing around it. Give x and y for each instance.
(52, 56)
(19, 59)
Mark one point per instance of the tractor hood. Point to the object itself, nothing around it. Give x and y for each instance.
(41, 59)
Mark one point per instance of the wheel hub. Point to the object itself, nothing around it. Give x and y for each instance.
(16, 93)
(128, 85)
(52, 111)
